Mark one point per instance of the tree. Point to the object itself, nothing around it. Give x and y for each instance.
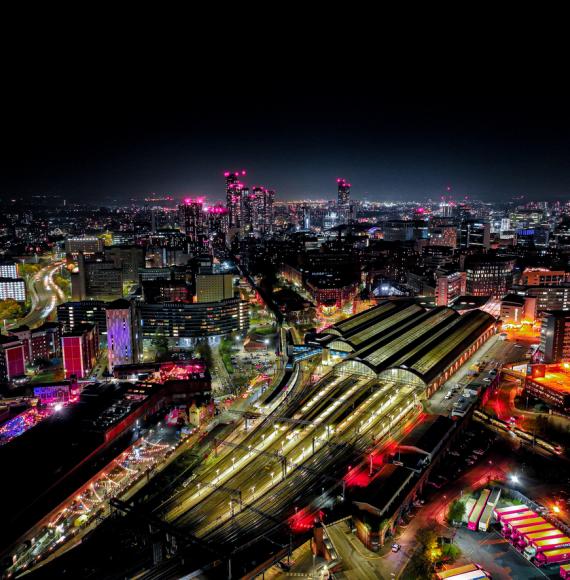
(423, 559)
(205, 352)
(456, 511)
(10, 309)
(384, 527)
(160, 344)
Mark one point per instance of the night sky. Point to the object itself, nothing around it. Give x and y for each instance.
(391, 140)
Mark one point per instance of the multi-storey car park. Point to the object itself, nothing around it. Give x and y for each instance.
(384, 362)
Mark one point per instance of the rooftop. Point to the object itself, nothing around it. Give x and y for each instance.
(406, 335)
(556, 377)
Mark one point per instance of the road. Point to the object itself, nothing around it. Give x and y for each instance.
(45, 295)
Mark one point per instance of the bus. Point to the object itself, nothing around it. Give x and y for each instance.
(485, 520)
(478, 509)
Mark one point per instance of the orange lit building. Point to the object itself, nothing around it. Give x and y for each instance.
(551, 384)
(543, 277)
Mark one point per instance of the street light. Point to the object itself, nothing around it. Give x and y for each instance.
(514, 478)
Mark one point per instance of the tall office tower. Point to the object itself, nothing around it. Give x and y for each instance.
(258, 210)
(268, 199)
(123, 334)
(80, 348)
(191, 216)
(218, 225)
(234, 193)
(343, 192)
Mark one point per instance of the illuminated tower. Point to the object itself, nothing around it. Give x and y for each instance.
(234, 193)
(218, 224)
(343, 192)
(123, 335)
(191, 216)
(268, 200)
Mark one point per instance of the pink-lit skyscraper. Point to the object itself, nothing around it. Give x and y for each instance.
(235, 193)
(343, 192)
(191, 217)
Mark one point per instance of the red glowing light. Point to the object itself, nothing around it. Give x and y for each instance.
(304, 520)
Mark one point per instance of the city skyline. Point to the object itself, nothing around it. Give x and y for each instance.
(404, 144)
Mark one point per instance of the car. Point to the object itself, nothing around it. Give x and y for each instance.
(454, 453)
(396, 547)
(519, 346)
(478, 451)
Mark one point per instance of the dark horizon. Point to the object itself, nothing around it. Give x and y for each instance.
(405, 145)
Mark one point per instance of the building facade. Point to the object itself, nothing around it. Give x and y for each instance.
(123, 333)
(12, 358)
(489, 275)
(197, 320)
(555, 336)
(80, 348)
(214, 287)
(72, 314)
(449, 287)
(13, 289)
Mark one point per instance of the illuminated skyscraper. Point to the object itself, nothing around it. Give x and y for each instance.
(258, 210)
(191, 216)
(218, 224)
(343, 192)
(235, 191)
